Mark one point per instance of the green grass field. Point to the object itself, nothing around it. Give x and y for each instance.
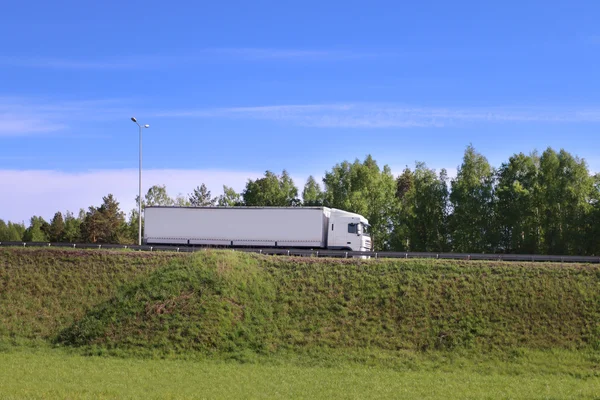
(46, 374)
(218, 324)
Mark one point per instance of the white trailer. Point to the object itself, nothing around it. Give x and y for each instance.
(284, 227)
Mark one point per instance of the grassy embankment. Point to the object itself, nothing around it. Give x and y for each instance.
(408, 315)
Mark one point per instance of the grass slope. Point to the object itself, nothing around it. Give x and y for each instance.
(243, 304)
(44, 290)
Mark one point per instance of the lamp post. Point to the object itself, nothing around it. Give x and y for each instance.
(140, 185)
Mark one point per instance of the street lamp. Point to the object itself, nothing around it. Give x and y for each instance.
(140, 187)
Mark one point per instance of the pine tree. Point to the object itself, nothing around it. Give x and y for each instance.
(201, 197)
(57, 227)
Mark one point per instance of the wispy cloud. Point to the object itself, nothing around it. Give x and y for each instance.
(146, 61)
(291, 54)
(65, 63)
(357, 115)
(23, 117)
(21, 125)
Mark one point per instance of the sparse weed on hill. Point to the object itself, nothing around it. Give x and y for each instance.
(45, 290)
(237, 304)
(212, 303)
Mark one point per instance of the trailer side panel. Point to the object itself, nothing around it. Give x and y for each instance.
(236, 226)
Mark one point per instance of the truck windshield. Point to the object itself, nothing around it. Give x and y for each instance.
(366, 229)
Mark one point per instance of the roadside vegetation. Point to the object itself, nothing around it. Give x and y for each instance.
(105, 324)
(236, 304)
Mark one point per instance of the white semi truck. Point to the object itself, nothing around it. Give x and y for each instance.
(283, 227)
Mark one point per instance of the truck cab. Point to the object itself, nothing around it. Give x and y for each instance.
(348, 231)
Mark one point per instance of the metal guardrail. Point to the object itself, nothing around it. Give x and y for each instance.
(324, 253)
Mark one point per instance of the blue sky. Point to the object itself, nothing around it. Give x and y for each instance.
(231, 89)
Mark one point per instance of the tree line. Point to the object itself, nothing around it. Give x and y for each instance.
(531, 204)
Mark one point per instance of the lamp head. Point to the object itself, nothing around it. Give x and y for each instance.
(133, 119)
(146, 126)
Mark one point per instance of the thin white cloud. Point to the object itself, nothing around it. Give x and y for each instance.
(19, 117)
(107, 63)
(361, 115)
(290, 54)
(16, 125)
(23, 117)
(145, 61)
(57, 63)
